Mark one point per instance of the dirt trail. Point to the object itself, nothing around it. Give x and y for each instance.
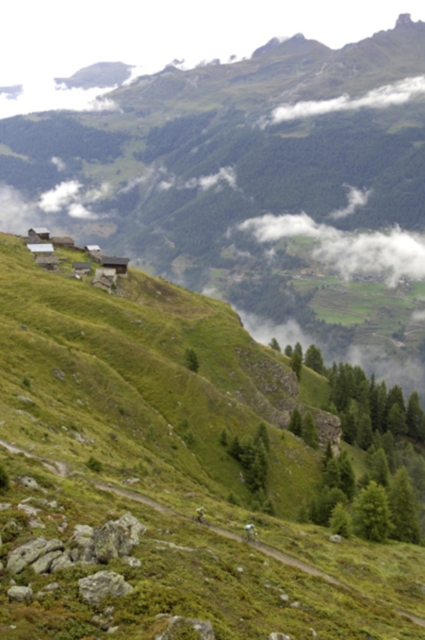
(63, 470)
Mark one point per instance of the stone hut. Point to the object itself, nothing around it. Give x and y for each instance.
(119, 264)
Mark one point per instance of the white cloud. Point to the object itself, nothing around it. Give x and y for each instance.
(60, 165)
(357, 198)
(390, 254)
(47, 96)
(381, 98)
(270, 228)
(54, 200)
(78, 210)
(225, 174)
(418, 316)
(17, 215)
(69, 195)
(263, 330)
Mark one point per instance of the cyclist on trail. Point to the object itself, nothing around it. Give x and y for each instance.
(251, 532)
(200, 514)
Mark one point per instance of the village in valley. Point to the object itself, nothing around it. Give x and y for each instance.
(50, 251)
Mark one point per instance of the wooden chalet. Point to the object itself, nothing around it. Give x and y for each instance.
(82, 268)
(64, 242)
(40, 232)
(119, 264)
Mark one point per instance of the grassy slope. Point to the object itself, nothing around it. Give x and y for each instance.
(123, 379)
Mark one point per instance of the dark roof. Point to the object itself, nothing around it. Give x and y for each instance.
(82, 265)
(115, 261)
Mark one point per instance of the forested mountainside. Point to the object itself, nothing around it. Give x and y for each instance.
(121, 414)
(171, 174)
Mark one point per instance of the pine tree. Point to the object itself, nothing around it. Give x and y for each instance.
(331, 475)
(404, 509)
(379, 470)
(273, 344)
(349, 427)
(223, 437)
(396, 420)
(296, 423)
(288, 351)
(414, 416)
(263, 435)
(296, 364)
(347, 482)
(309, 431)
(298, 349)
(372, 513)
(314, 360)
(328, 455)
(364, 432)
(235, 448)
(340, 521)
(323, 504)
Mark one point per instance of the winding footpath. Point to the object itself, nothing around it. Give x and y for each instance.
(64, 470)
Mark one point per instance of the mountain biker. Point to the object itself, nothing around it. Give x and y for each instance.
(251, 532)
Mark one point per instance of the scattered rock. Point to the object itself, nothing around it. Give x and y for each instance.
(130, 481)
(279, 636)
(4, 506)
(58, 374)
(132, 527)
(31, 512)
(43, 564)
(36, 524)
(313, 633)
(63, 561)
(336, 538)
(52, 586)
(20, 594)
(133, 562)
(178, 625)
(103, 584)
(28, 553)
(28, 482)
(25, 399)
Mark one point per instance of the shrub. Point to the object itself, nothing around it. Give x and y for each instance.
(191, 360)
(4, 479)
(94, 465)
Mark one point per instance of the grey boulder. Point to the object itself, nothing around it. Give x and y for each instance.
(103, 584)
(20, 594)
(28, 553)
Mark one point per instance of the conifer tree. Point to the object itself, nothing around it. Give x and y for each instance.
(349, 427)
(340, 521)
(364, 432)
(328, 455)
(404, 509)
(379, 470)
(263, 435)
(296, 423)
(347, 482)
(331, 475)
(288, 351)
(372, 513)
(414, 416)
(273, 344)
(314, 360)
(396, 420)
(309, 431)
(298, 349)
(296, 364)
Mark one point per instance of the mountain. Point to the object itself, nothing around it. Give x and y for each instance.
(188, 156)
(100, 416)
(101, 74)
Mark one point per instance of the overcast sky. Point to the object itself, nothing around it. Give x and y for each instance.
(50, 38)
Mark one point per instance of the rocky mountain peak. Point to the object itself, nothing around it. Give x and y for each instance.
(404, 20)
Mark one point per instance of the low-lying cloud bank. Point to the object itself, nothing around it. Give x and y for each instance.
(47, 96)
(391, 254)
(70, 196)
(381, 98)
(357, 198)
